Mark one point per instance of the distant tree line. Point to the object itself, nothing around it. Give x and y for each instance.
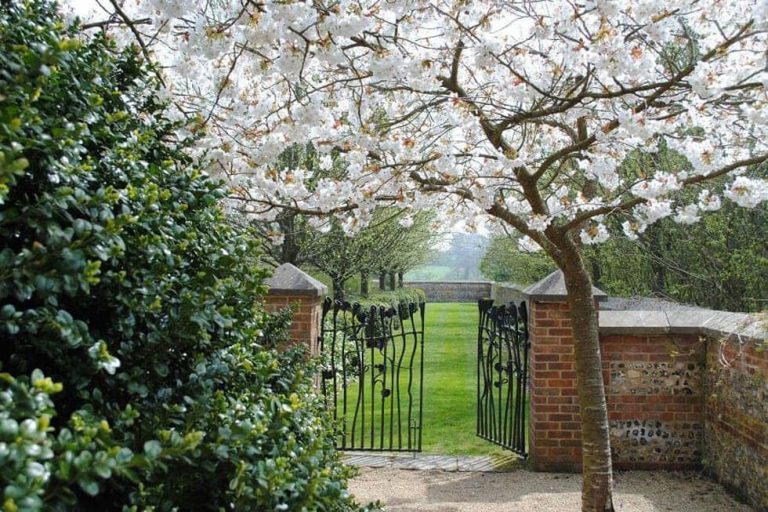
(720, 262)
(462, 258)
(393, 242)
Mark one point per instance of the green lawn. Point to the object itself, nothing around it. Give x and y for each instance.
(450, 380)
(450, 388)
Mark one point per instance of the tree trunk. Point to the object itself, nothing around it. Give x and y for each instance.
(597, 271)
(289, 250)
(338, 288)
(659, 283)
(400, 280)
(364, 283)
(392, 280)
(597, 489)
(382, 280)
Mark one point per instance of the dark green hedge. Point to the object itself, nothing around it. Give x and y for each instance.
(390, 298)
(137, 367)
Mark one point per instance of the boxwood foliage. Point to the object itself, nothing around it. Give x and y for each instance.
(137, 367)
(391, 298)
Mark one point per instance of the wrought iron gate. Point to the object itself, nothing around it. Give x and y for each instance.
(502, 374)
(373, 374)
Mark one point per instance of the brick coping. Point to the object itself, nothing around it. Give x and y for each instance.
(717, 324)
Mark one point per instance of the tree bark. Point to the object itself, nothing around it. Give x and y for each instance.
(659, 283)
(382, 280)
(392, 277)
(597, 489)
(364, 283)
(597, 271)
(289, 250)
(400, 280)
(338, 288)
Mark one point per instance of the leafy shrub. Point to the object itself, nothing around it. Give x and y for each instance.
(391, 298)
(139, 369)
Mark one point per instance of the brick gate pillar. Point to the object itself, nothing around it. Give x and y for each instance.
(292, 287)
(554, 420)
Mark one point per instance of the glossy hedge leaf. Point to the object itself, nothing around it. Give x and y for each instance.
(121, 278)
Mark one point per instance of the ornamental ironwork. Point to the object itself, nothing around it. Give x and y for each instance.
(373, 374)
(502, 374)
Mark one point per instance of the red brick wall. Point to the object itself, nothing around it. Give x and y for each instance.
(307, 311)
(653, 389)
(736, 435)
(555, 443)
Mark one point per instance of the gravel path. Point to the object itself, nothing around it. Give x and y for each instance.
(524, 491)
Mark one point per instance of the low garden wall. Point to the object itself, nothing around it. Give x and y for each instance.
(469, 291)
(454, 291)
(654, 393)
(507, 292)
(684, 389)
(736, 422)
(290, 287)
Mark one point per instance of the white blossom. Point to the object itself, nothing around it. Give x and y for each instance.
(406, 221)
(539, 222)
(747, 192)
(708, 202)
(594, 234)
(632, 229)
(688, 215)
(370, 87)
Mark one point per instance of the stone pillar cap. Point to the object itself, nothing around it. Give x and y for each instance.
(289, 280)
(552, 287)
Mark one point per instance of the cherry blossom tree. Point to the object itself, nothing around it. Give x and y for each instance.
(517, 112)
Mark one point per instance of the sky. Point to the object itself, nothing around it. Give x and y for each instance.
(81, 7)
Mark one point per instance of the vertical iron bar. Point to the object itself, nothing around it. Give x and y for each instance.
(410, 378)
(383, 352)
(359, 404)
(391, 338)
(371, 341)
(523, 448)
(361, 379)
(499, 424)
(422, 308)
(489, 373)
(507, 368)
(333, 370)
(516, 325)
(402, 309)
(512, 369)
(482, 306)
(323, 331)
(348, 334)
(487, 379)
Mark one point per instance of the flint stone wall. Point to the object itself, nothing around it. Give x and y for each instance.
(736, 423)
(655, 399)
(685, 388)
